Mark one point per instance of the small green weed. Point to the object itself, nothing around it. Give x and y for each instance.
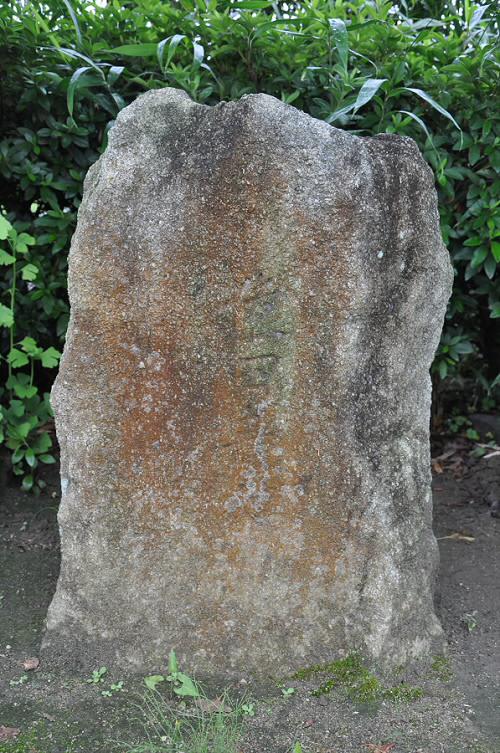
(248, 709)
(470, 621)
(97, 676)
(116, 687)
(181, 684)
(288, 692)
(20, 681)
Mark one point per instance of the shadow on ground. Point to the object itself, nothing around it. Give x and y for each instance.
(459, 707)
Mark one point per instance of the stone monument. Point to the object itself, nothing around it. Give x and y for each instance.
(243, 401)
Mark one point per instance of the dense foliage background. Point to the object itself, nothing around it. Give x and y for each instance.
(422, 68)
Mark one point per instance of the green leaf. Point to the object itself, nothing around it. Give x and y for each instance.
(6, 316)
(30, 457)
(50, 358)
(16, 408)
(47, 459)
(136, 50)
(29, 345)
(173, 42)
(23, 241)
(22, 430)
(28, 482)
(42, 443)
(73, 85)
(27, 238)
(341, 111)
(490, 266)
(187, 687)
(495, 311)
(17, 358)
(17, 455)
(423, 95)
(368, 91)
(21, 386)
(340, 38)
(474, 154)
(479, 256)
(5, 258)
(114, 74)
(172, 663)
(29, 272)
(495, 250)
(420, 123)
(79, 56)
(153, 680)
(75, 21)
(252, 4)
(5, 227)
(198, 53)
(464, 347)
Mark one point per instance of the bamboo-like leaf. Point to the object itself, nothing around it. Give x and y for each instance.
(341, 111)
(114, 73)
(75, 21)
(136, 50)
(198, 52)
(172, 43)
(368, 91)
(420, 123)
(251, 4)
(478, 15)
(73, 85)
(340, 38)
(427, 98)
(80, 56)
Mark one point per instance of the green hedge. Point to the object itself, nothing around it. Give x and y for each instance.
(69, 66)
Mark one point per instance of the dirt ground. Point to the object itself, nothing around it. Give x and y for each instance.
(459, 707)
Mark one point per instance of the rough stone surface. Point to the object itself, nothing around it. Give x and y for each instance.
(243, 401)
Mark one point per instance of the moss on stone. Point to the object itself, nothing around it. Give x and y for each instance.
(442, 668)
(356, 680)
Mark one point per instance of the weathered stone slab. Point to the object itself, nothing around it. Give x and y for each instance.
(243, 401)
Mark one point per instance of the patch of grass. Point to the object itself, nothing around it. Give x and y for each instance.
(442, 668)
(403, 693)
(27, 742)
(359, 684)
(179, 728)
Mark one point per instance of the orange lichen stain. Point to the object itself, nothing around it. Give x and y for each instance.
(202, 431)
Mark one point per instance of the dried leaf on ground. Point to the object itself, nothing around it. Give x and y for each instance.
(457, 536)
(381, 748)
(8, 733)
(209, 706)
(31, 663)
